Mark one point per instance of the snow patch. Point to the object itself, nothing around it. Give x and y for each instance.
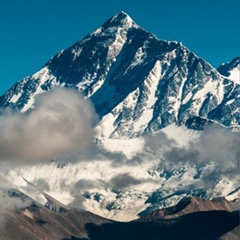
(235, 75)
(15, 98)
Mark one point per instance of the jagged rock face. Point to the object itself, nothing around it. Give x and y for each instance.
(142, 82)
(228, 112)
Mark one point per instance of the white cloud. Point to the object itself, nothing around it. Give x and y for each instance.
(60, 124)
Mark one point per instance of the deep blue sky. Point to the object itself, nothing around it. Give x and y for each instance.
(31, 31)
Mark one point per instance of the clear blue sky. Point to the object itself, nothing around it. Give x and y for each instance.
(31, 31)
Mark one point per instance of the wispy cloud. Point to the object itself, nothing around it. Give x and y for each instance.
(215, 144)
(9, 203)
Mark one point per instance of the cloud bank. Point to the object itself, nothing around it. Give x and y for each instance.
(60, 124)
(215, 144)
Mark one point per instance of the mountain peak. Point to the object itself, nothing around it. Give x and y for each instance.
(233, 63)
(236, 60)
(120, 19)
(231, 69)
(138, 82)
(122, 14)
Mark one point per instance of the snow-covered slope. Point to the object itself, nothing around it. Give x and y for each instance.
(123, 192)
(136, 82)
(120, 179)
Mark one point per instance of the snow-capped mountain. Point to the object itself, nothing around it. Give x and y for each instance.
(139, 85)
(136, 81)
